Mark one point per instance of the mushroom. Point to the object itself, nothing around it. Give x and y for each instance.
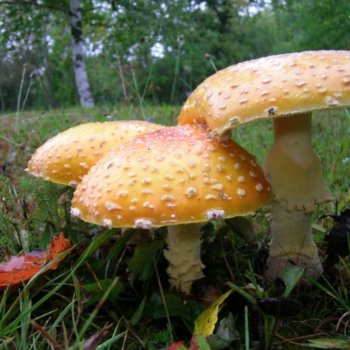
(177, 177)
(68, 156)
(289, 86)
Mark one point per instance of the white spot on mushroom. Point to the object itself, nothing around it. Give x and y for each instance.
(252, 174)
(233, 121)
(169, 177)
(229, 177)
(146, 181)
(66, 166)
(107, 222)
(300, 83)
(122, 194)
(143, 224)
(220, 168)
(222, 159)
(259, 187)
(112, 206)
(241, 193)
(146, 191)
(167, 187)
(266, 80)
(190, 192)
(75, 212)
(241, 179)
(132, 208)
(215, 214)
(84, 165)
(167, 198)
(332, 101)
(346, 80)
(237, 166)
(210, 196)
(206, 167)
(191, 164)
(73, 184)
(219, 187)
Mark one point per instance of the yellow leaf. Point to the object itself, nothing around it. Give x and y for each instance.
(205, 323)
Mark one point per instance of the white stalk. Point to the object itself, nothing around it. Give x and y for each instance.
(183, 254)
(295, 173)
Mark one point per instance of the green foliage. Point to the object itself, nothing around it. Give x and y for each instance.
(122, 39)
(29, 211)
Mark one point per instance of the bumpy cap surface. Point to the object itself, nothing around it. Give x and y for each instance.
(172, 176)
(68, 156)
(270, 87)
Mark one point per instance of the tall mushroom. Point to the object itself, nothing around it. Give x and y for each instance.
(289, 86)
(68, 156)
(177, 177)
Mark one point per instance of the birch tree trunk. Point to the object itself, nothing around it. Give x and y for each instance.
(83, 86)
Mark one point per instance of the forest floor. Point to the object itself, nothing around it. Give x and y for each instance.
(108, 294)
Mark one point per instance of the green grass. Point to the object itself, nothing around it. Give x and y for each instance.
(104, 291)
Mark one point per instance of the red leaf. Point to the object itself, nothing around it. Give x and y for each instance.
(22, 268)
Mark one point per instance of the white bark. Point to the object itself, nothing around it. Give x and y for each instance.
(81, 78)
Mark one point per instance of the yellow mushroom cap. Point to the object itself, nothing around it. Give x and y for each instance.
(172, 176)
(270, 87)
(68, 156)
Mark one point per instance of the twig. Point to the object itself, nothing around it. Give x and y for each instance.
(305, 337)
(46, 335)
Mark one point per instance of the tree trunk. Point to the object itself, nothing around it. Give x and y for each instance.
(83, 86)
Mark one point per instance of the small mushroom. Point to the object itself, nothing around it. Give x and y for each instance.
(68, 156)
(177, 177)
(286, 88)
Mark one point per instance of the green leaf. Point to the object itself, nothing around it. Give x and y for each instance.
(292, 274)
(98, 293)
(330, 343)
(242, 227)
(142, 261)
(188, 310)
(202, 343)
(137, 315)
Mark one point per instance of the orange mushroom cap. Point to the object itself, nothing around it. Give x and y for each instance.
(68, 156)
(172, 176)
(270, 87)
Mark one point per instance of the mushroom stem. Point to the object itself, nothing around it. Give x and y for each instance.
(183, 254)
(295, 173)
(292, 240)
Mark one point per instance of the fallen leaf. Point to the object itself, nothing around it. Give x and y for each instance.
(22, 268)
(205, 323)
